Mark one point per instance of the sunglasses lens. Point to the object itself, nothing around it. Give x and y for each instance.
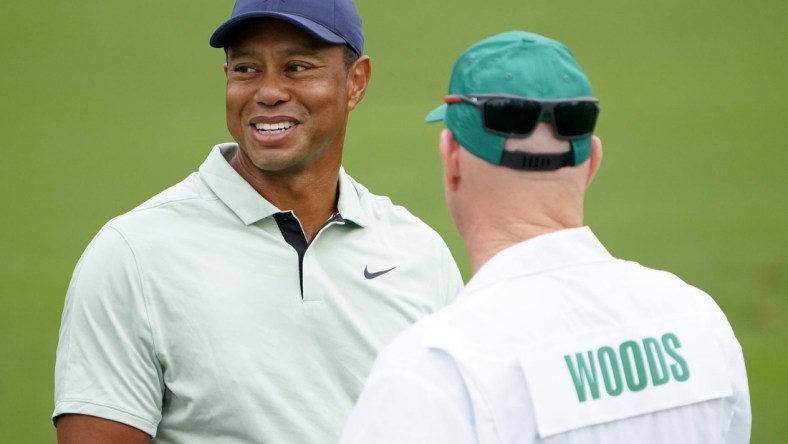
(511, 116)
(575, 118)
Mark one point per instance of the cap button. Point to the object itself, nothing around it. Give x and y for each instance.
(509, 76)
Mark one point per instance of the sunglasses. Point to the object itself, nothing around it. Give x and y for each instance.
(516, 116)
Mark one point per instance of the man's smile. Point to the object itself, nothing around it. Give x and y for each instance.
(274, 128)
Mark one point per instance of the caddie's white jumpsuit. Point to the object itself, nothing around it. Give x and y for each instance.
(556, 341)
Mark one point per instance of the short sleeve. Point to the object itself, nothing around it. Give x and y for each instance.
(106, 361)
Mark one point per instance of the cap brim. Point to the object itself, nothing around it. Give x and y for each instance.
(221, 37)
(437, 114)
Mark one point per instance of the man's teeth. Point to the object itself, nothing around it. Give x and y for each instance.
(274, 128)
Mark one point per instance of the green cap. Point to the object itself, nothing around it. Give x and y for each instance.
(517, 63)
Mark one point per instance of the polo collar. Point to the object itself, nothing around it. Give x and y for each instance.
(349, 202)
(248, 204)
(559, 249)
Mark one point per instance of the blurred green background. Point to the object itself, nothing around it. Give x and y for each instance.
(104, 104)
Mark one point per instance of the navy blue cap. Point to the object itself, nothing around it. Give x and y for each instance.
(332, 21)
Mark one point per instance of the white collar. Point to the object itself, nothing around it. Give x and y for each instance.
(559, 249)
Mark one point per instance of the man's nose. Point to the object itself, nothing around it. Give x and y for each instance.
(272, 89)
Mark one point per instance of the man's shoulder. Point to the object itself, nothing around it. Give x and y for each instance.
(381, 209)
(664, 281)
(190, 188)
(184, 200)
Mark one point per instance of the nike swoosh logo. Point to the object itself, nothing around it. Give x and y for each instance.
(373, 275)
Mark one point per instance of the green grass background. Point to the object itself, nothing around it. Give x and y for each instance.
(103, 104)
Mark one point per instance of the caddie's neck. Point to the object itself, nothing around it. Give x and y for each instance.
(489, 229)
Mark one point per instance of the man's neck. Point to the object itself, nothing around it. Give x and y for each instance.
(312, 195)
(490, 235)
(313, 202)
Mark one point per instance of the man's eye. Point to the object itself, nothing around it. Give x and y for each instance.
(295, 67)
(244, 69)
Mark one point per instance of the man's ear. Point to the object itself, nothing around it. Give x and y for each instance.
(358, 79)
(450, 157)
(595, 160)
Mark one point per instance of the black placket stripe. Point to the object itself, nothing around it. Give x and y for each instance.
(294, 235)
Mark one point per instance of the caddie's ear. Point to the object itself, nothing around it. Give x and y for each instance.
(358, 79)
(595, 160)
(450, 157)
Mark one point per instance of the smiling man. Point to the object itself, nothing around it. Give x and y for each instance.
(247, 303)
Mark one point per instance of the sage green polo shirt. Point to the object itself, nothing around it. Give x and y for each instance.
(199, 317)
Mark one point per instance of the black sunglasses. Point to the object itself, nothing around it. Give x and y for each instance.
(517, 116)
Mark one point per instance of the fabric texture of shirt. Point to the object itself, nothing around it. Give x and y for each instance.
(187, 317)
(556, 341)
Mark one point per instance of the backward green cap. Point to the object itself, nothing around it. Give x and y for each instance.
(518, 63)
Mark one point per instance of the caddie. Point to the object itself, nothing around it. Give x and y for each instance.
(553, 340)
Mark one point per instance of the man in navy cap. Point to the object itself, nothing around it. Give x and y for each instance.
(247, 303)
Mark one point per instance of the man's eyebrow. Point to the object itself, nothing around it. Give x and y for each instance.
(238, 53)
(308, 52)
(290, 52)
